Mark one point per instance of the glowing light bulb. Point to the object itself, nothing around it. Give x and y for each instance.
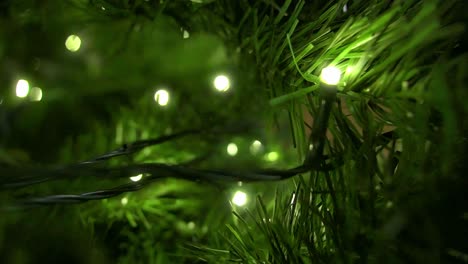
(191, 225)
(239, 198)
(161, 97)
(186, 34)
(73, 43)
(136, 178)
(124, 201)
(221, 83)
(232, 149)
(36, 94)
(272, 156)
(255, 147)
(22, 88)
(330, 75)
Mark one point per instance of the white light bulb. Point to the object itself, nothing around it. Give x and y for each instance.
(255, 147)
(272, 156)
(22, 88)
(191, 225)
(36, 94)
(232, 149)
(161, 97)
(330, 75)
(136, 178)
(73, 43)
(221, 83)
(239, 198)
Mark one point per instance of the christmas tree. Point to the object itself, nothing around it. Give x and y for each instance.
(218, 131)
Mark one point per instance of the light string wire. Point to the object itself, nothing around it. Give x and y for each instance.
(315, 160)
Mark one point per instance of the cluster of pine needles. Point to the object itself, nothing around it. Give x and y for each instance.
(404, 79)
(398, 124)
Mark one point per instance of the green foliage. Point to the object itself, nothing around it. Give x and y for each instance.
(397, 126)
(396, 59)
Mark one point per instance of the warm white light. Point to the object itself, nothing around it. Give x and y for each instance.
(330, 75)
(255, 147)
(232, 149)
(136, 178)
(221, 83)
(239, 198)
(191, 225)
(124, 201)
(36, 94)
(272, 156)
(22, 88)
(73, 43)
(161, 97)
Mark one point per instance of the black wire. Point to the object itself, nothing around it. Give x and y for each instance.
(317, 137)
(73, 171)
(155, 171)
(131, 148)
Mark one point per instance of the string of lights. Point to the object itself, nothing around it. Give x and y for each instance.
(150, 172)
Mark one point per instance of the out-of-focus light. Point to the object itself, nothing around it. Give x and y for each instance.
(73, 43)
(405, 85)
(161, 97)
(124, 201)
(232, 149)
(186, 34)
(330, 75)
(221, 83)
(191, 225)
(35, 94)
(345, 8)
(272, 156)
(255, 147)
(22, 88)
(389, 204)
(239, 198)
(136, 178)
